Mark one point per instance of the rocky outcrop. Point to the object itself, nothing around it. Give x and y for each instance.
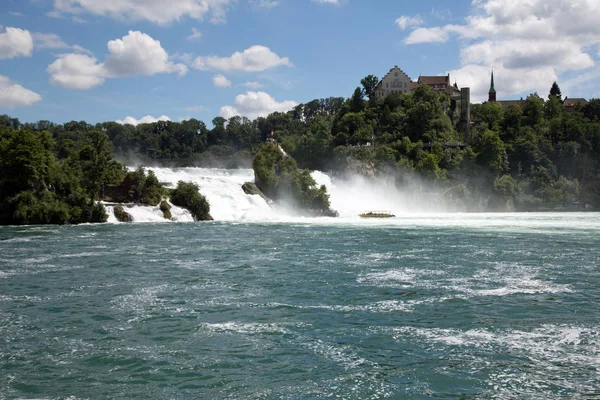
(166, 209)
(121, 214)
(251, 188)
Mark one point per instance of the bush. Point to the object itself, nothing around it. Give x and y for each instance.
(186, 195)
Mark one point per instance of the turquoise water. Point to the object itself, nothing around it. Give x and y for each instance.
(432, 306)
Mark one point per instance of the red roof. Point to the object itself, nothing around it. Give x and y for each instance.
(434, 80)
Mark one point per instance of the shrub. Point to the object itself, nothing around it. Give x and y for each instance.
(186, 195)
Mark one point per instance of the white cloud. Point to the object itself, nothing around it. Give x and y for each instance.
(16, 14)
(529, 44)
(196, 34)
(15, 42)
(14, 95)
(405, 22)
(76, 71)
(221, 81)
(253, 85)
(256, 104)
(134, 54)
(162, 12)
(148, 119)
(254, 59)
(139, 54)
(53, 41)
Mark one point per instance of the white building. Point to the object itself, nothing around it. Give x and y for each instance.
(394, 82)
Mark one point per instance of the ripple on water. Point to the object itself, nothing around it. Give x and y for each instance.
(560, 359)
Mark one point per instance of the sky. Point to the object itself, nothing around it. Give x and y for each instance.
(135, 61)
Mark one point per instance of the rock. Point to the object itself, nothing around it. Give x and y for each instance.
(166, 209)
(122, 215)
(252, 189)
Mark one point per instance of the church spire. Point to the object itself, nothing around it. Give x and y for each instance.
(492, 92)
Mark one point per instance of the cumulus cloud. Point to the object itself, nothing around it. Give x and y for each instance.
(76, 71)
(529, 43)
(254, 59)
(15, 42)
(134, 54)
(221, 81)
(148, 119)
(14, 95)
(256, 104)
(162, 12)
(405, 22)
(139, 54)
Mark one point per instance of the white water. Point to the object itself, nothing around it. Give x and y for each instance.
(228, 202)
(141, 213)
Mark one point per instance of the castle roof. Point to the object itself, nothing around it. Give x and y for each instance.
(574, 102)
(434, 80)
(395, 69)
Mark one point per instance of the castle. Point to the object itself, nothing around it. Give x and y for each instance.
(397, 82)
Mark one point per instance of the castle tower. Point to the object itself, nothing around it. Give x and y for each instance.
(492, 92)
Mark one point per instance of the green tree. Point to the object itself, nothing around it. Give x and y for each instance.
(555, 92)
(187, 195)
(369, 83)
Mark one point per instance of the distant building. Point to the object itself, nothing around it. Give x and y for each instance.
(440, 84)
(397, 82)
(572, 104)
(394, 82)
(568, 104)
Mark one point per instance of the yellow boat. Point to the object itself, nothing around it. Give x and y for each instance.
(376, 214)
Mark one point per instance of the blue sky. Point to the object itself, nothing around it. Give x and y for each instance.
(123, 60)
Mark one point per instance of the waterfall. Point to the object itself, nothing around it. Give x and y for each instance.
(228, 202)
(223, 190)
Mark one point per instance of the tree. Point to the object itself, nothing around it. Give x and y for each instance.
(533, 110)
(555, 92)
(356, 102)
(552, 108)
(369, 84)
(491, 151)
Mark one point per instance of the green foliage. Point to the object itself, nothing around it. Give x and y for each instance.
(186, 195)
(369, 83)
(491, 151)
(277, 175)
(61, 170)
(555, 93)
(35, 188)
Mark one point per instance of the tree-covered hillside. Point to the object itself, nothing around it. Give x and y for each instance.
(534, 157)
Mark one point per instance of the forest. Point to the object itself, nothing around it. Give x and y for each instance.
(531, 158)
